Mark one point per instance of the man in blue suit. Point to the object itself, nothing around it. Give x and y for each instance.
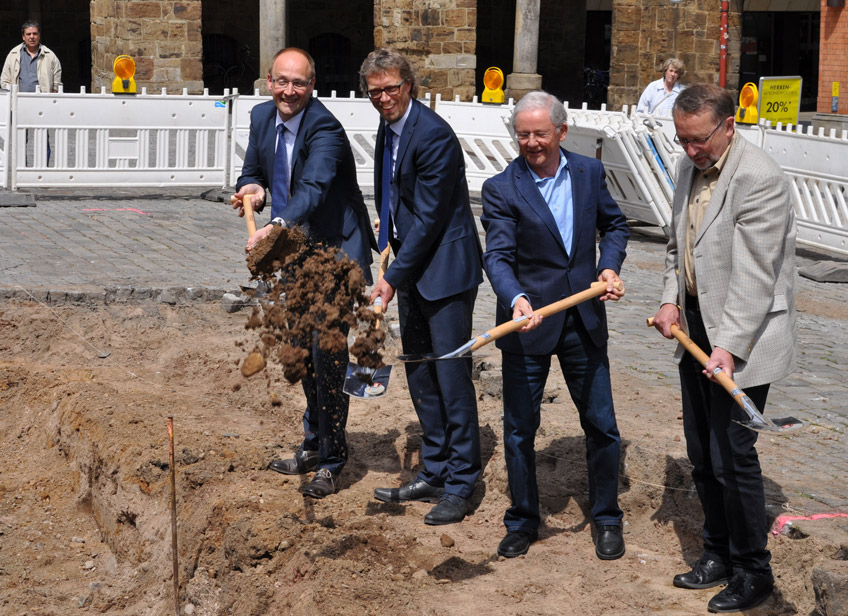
(300, 151)
(541, 216)
(425, 215)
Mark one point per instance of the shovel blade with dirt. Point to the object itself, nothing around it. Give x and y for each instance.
(595, 290)
(362, 381)
(754, 419)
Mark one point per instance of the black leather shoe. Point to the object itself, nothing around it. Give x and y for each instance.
(450, 509)
(302, 463)
(323, 484)
(609, 544)
(516, 543)
(416, 490)
(705, 574)
(744, 591)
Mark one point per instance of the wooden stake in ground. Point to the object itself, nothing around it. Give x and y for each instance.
(174, 516)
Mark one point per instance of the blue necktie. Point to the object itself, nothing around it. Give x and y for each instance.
(383, 239)
(279, 185)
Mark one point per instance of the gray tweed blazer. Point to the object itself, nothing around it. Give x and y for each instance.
(744, 263)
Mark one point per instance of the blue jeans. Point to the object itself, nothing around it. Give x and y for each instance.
(586, 371)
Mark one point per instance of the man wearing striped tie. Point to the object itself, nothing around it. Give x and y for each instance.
(299, 151)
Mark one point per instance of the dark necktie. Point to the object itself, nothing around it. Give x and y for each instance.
(279, 187)
(383, 239)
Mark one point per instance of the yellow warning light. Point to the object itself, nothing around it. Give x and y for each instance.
(493, 80)
(124, 67)
(748, 97)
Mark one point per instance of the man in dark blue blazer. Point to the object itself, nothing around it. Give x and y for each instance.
(314, 186)
(541, 216)
(426, 217)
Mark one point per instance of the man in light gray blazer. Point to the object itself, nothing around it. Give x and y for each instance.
(729, 283)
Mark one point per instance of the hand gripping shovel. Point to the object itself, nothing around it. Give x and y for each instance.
(596, 289)
(362, 382)
(756, 421)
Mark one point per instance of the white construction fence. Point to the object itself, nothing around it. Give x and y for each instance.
(90, 140)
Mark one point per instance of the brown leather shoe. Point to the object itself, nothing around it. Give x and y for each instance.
(302, 463)
(323, 484)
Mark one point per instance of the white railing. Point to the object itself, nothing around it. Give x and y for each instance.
(5, 132)
(103, 140)
(181, 140)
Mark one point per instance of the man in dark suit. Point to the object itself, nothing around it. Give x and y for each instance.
(541, 215)
(426, 216)
(300, 151)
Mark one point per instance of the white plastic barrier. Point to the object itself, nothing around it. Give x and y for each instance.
(5, 132)
(357, 115)
(818, 173)
(484, 135)
(102, 140)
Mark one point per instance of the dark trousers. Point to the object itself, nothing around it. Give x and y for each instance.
(726, 469)
(325, 417)
(442, 392)
(587, 375)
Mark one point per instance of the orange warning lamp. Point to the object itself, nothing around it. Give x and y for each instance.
(493, 80)
(124, 67)
(747, 112)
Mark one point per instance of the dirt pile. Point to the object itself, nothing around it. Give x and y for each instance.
(84, 496)
(316, 296)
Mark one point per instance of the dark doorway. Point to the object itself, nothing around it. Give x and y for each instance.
(781, 44)
(596, 73)
(495, 37)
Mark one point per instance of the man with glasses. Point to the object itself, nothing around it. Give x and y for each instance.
(541, 215)
(729, 283)
(425, 215)
(299, 151)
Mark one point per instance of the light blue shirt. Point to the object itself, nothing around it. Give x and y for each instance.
(556, 191)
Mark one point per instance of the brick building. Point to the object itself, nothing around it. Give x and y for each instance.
(592, 50)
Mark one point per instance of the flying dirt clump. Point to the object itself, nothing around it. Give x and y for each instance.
(316, 296)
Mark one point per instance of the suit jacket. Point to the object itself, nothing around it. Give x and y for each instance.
(525, 252)
(744, 263)
(437, 247)
(325, 197)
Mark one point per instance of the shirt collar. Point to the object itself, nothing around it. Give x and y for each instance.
(722, 161)
(563, 164)
(293, 123)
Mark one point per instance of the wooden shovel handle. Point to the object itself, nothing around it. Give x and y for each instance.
(596, 289)
(249, 218)
(725, 381)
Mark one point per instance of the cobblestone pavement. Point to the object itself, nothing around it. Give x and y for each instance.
(173, 246)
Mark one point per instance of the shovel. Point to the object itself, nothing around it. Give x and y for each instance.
(362, 382)
(266, 253)
(596, 289)
(756, 421)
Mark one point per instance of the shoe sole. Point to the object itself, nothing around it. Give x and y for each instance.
(442, 522)
(721, 582)
(610, 556)
(427, 499)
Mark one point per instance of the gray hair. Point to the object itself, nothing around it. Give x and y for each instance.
(705, 96)
(30, 23)
(676, 64)
(382, 60)
(541, 100)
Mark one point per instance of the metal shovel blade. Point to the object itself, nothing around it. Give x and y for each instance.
(757, 421)
(366, 382)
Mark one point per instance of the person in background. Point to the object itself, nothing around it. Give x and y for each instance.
(31, 64)
(658, 98)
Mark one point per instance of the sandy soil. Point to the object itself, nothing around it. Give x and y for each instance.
(84, 491)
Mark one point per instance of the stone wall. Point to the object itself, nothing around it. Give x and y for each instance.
(833, 57)
(647, 32)
(162, 36)
(439, 37)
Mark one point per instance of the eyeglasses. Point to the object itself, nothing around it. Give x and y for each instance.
(281, 83)
(540, 136)
(696, 142)
(377, 93)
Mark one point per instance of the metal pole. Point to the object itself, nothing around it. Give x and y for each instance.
(722, 62)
